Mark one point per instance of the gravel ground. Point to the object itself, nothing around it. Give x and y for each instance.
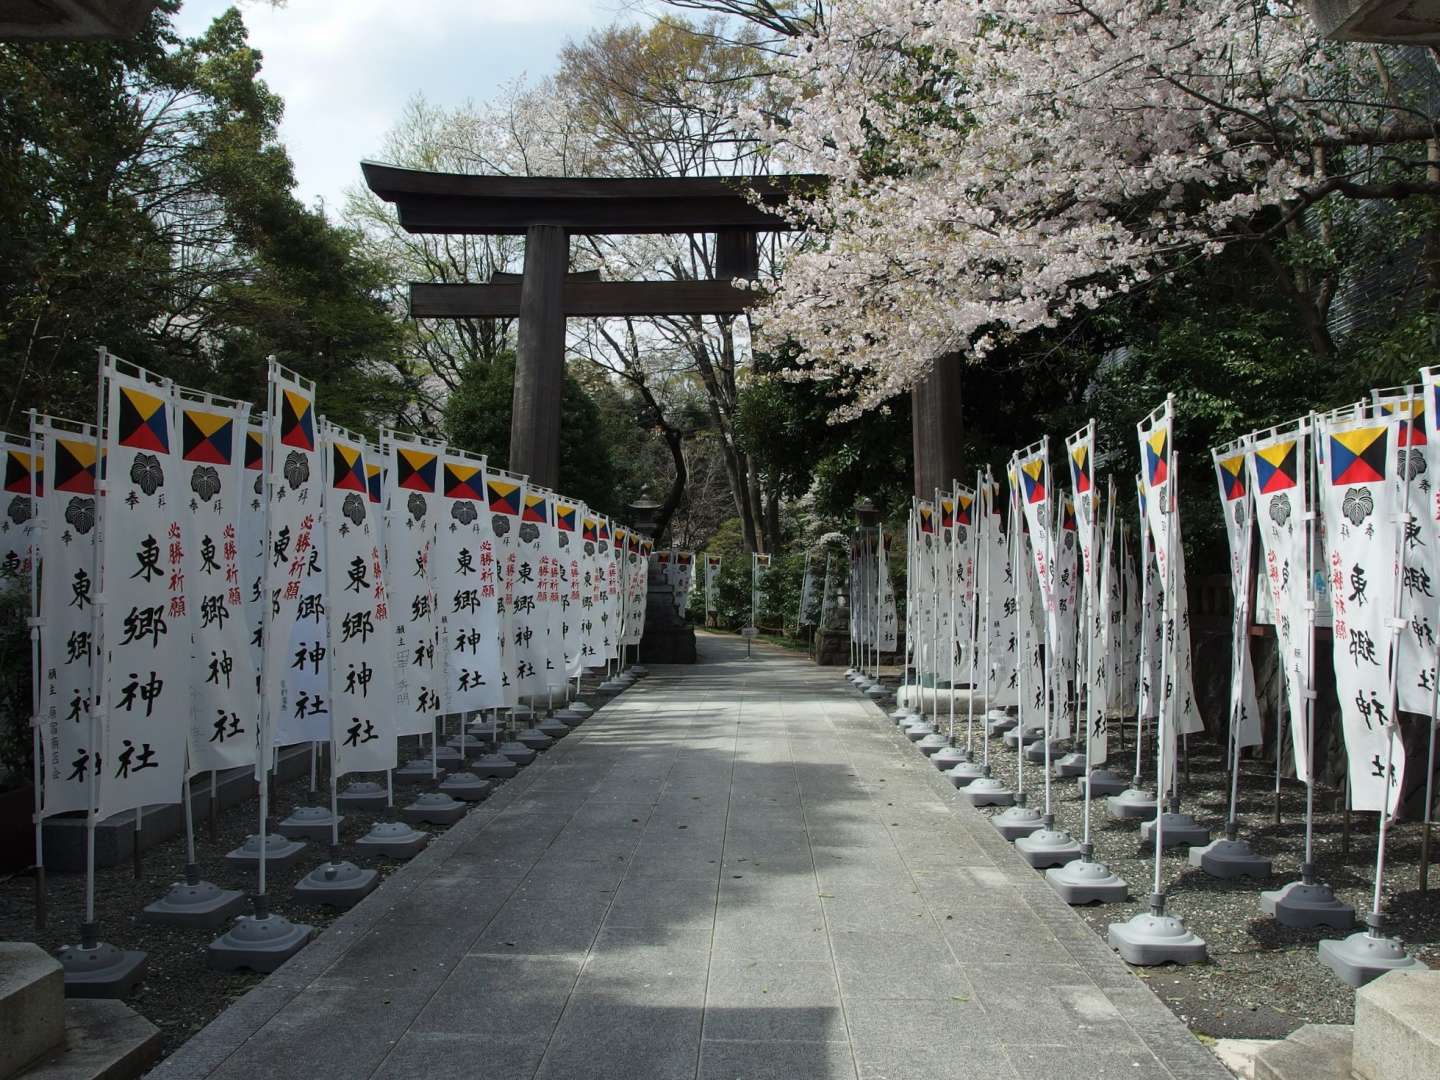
(180, 994)
(1262, 980)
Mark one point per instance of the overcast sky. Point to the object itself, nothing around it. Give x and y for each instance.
(346, 67)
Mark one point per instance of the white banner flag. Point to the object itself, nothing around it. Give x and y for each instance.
(363, 696)
(468, 586)
(297, 644)
(413, 504)
(1360, 505)
(592, 594)
(225, 714)
(612, 610)
(145, 630)
(712, 578)
(250, 526)
(505, 493)
(1080, 452)
(1278, 479)
(886, 616)
(21, 467)
(1235, 506)
(67, 611)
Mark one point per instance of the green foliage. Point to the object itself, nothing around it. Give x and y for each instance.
(779, 592)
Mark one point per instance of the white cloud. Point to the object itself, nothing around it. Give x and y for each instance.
(345, 68)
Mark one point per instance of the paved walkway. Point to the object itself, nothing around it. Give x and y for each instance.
(734, 870)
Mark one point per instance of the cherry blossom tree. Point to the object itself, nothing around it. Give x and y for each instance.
(999, 166)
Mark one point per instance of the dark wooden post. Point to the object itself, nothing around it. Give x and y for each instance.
(737, 254)
(540, 357)
(936, 427)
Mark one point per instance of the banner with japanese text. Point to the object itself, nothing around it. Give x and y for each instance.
(1360, 504)
(225, 714)
(467, 585)
(1238, 511)
(574, 583)
(297, 638)
(1080, 453)
(363, 697)
(21, 468)
(413, 501)
(887, 619)
(505, 494)
(145, 629)
(712, 577)
(67, 612)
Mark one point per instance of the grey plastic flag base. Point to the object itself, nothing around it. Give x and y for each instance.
(554, 729)
(639, 670)
(394, 840)
(201, 904)
(966, 773)
(100, 971)
(260, 944)
(535, 739)
(362, 795)
(280, 852)
(613, 686)
(998, 721)
(1086, 882)
(1027, 735)
(569, 717)
(522, 714)
(905, 717)
(517, 752)
(308, 823)
(435, 808)
(1048, 847)
(1035, 753)
(448, 757)
(1228, 859)
(578, 706)
(466, 787)
(1365, 956)
(1301, 906)
(947, 757)
(1132, 804)
(494, 767)
(877, 691)
(932, 744)
(1102, 783)
(989, 791)
(1177, 830)
(918, 730)
(1149, 939)
(418, 771)
(336, 884)
(1017, 821)
(1067, 766)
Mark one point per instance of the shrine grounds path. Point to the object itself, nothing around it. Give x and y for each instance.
(734, 871)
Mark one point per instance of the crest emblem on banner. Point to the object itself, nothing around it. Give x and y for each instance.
(372, 481)
(415, 471)
(21, 471)
(254, 450)
(962, 508)
(141, 424)
(535, 509)
(565, 517)
(1157, 458)
(297, 420)
(206, 437)
(947, 513)
(590, 533)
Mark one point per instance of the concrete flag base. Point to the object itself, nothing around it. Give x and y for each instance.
(904, 716)
(1035, 753)
(1067, 766)
(988, 791)
(1366, 955)
(534, 739)
(522, 714)
(1048, 846)
(1103, 783)
(1019, 820)
(1229, 858)
(1018, 736)
(877, 692)
(418, 771)
(581, 707)
(966, 773)
(1177, 830)
(555, 729)
(260, 943)
(336, 884)
(393, 839)
(1301, 905)
(1150, 938)
(999, 725)
(569, 717)
(494, 767)
(435, 808)
(919, 729)
(362, 795)
(639, 670)
(932, 743)
(193, 902)
(308, 823)
(448, 757)
(1085, 881)
(280, 852)
(947, 757)
(517, 752)
(465, 786)
(97, 969)
(1132, 804)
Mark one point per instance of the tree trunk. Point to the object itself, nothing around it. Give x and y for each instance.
(936, 427)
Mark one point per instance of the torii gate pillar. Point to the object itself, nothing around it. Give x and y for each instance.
(540, 357)
(936, 427)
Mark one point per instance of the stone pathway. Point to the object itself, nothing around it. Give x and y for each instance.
(735, 871)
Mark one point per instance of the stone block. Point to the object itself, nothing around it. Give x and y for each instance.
(1314, 1052)
(104, 1040)
(1397, 1027)
(32, 1004)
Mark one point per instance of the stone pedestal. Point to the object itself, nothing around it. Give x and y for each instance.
(668, 638)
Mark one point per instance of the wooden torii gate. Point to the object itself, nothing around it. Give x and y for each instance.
(547, 211)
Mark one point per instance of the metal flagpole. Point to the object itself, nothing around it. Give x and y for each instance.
(89, 931)
(1022, 613)
(950, 644)
(984, 508)
(935, 615)
(37, 624)
(1169, 617)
